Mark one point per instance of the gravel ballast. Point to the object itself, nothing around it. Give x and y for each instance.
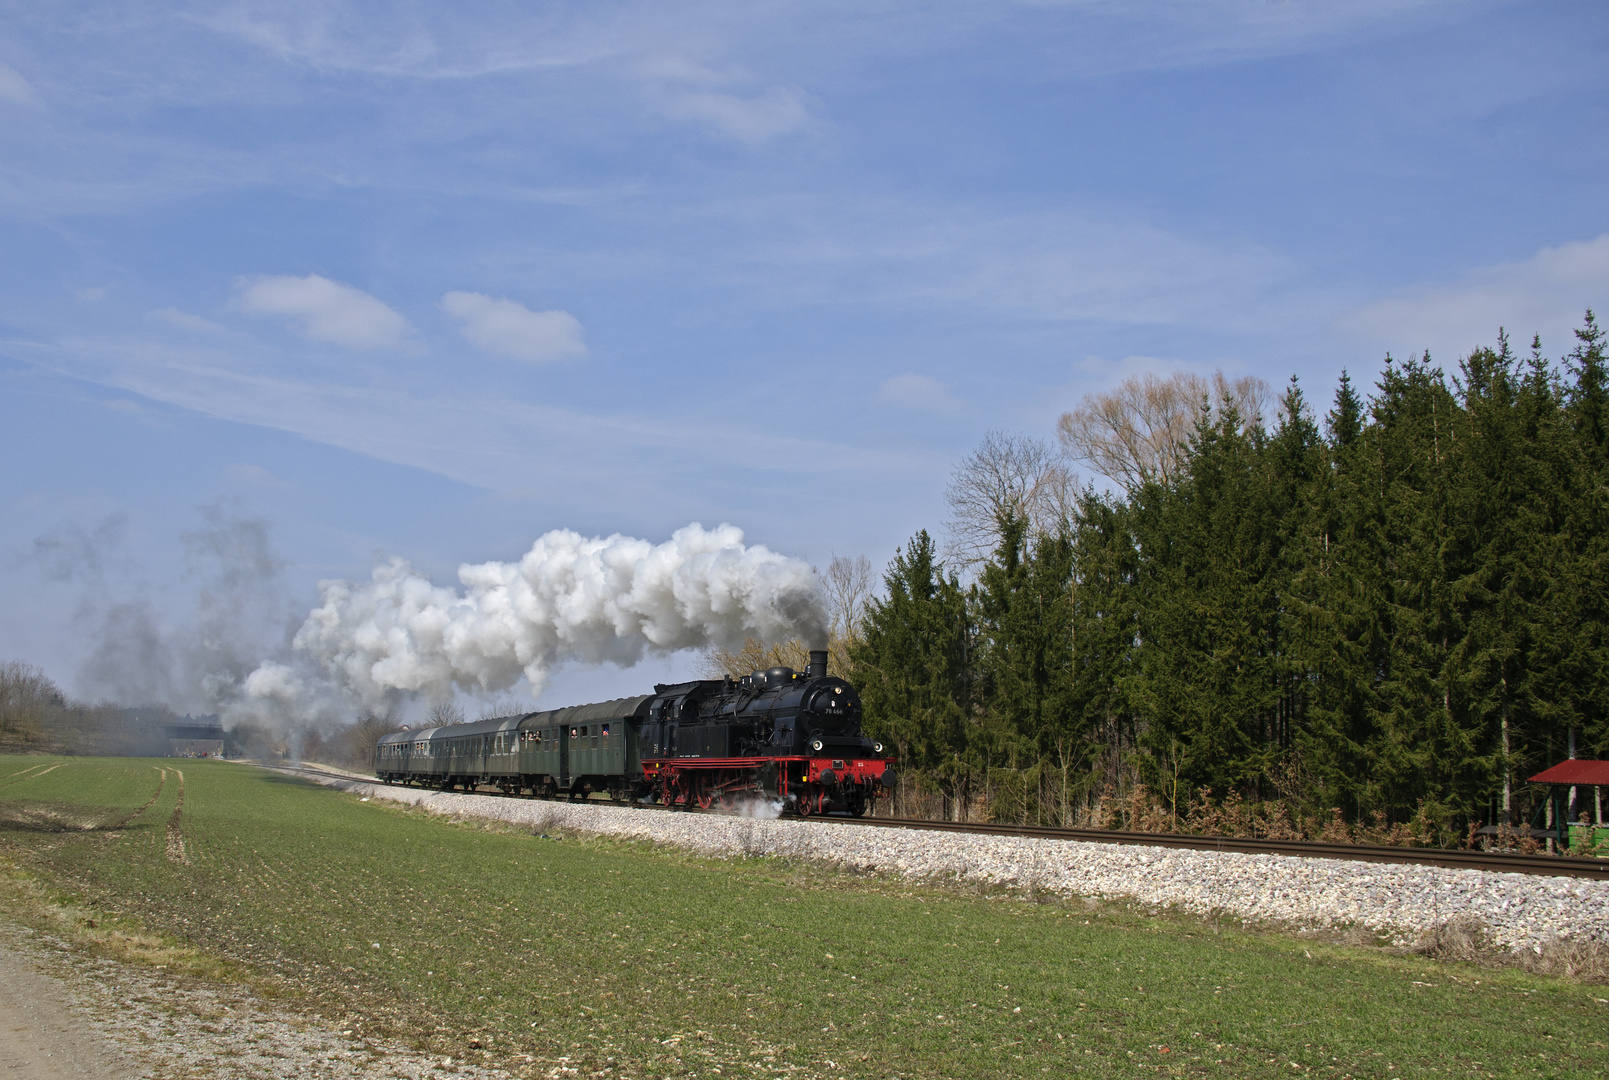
(1518, 911)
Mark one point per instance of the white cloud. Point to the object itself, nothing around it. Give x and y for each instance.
(1546, 294)
(509, 328)
(183, 320)
(918, 392)
(326, 310)
(14, 88)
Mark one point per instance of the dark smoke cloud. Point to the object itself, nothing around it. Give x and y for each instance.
(191, 652)
(73, 553)
(131, 662)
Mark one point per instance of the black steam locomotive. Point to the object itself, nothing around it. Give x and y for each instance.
(788, 737)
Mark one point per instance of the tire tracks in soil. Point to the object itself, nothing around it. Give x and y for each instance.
(175, 840)
(160, 784)
(17, 777)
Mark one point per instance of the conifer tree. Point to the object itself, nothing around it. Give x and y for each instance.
(913, 666)
(1025, 604)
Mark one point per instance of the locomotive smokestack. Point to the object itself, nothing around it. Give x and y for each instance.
(818, 663)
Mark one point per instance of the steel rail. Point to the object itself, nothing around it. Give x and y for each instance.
(1449, 858)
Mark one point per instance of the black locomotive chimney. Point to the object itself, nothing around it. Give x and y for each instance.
(818, 663)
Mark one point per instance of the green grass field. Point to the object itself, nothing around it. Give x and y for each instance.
(621, 959)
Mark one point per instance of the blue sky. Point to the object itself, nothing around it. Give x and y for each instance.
(430, 280)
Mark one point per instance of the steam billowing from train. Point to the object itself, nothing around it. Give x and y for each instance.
(569, 599)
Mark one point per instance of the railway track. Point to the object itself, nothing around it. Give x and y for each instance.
(1456, 859)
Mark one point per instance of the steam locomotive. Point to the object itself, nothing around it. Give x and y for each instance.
(791, 738)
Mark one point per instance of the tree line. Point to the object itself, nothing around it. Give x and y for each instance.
(36, 717)
(1379, 621)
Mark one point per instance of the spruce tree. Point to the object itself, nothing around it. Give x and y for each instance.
(913, 667)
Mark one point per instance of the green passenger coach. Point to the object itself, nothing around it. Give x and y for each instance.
(573, 751)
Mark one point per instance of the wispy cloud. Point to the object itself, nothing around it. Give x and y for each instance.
(1078, 38)
(1051, 265)
(752, 120)
(183, 320)
(248, 475)
(509, 328)
(326, 310)
(728, 105)
(919, 393)
(485, 439)
(14, 88)
(1547, 293)
(422, 43)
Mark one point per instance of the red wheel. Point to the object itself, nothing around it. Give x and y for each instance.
(805, 803)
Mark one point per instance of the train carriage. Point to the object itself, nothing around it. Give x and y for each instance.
(601, 746)
(792, 737)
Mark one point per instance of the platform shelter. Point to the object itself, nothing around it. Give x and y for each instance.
(1575, 792)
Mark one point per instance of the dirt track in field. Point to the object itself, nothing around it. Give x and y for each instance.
(45, 1034)
(155, 795)
(175, 839)
(68, 1012)
(65, 1015)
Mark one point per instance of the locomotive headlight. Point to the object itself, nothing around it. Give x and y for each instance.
(877, 748)
(816, 745)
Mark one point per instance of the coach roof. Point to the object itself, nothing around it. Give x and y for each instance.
(617, 709)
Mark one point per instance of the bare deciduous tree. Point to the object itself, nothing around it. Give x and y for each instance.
(444, 713)
(755, 655)
(1140, 431)
(849, 586)
(29, 703)
(504, 706)
(1007, 474)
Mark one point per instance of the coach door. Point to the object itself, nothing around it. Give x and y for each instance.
(580, 758)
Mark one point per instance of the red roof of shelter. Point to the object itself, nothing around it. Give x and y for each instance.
(1575, 771)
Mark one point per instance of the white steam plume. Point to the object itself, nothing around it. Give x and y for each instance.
(568, 599)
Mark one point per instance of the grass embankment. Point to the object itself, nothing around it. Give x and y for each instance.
(505, 947)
